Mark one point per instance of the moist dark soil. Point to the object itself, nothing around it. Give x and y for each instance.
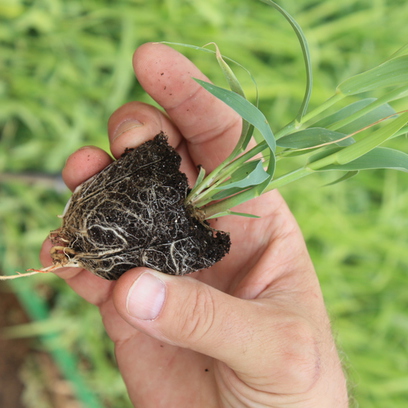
(133, 214)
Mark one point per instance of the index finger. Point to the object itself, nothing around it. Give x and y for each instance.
(210, 127)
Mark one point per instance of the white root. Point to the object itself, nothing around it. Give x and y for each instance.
(31, 272)
(19, 275)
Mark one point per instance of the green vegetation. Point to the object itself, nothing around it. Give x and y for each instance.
(65, 66)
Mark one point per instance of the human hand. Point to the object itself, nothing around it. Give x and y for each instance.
(250, 331)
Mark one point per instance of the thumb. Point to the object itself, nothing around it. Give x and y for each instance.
(187, 313)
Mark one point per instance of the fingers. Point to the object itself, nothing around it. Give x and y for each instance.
(167, 76)
(182, 311)
(135, 123)
(209, 126)
(251, 337)
(83, 164)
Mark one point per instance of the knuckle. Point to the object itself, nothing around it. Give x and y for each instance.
(198, 320)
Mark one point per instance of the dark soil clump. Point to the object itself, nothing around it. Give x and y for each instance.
(133, 214)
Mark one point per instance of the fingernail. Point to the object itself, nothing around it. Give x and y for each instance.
(146, 297)
(126, 126)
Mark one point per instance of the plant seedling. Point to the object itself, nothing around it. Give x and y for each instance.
(139, 210)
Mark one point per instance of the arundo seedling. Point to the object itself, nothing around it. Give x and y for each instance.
(133, 214)
(139, 211)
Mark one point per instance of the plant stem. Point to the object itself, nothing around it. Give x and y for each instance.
(338, 96)
(230, 202)
(202, 197)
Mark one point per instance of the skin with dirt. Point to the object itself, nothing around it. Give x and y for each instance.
(132, 214)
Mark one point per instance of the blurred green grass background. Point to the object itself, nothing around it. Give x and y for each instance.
(66, 66)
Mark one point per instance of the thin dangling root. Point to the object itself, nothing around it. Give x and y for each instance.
(19, 275)
(30, 272)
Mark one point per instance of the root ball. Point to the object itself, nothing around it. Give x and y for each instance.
(132, 214)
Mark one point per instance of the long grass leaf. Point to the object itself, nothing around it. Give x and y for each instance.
(244, 108)
(235, 86)
(229, 212)
(347, 176)
(363, 146)
(356, 116)
(313, 137)
(378, 158)
(306, 56)
(393, 72)
(371, 141)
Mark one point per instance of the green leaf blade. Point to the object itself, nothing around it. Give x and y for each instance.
(378, 158)
(248, 175)
(244, 108)
(347, 176)
(313, 137)
(306, 57)
(393, 72)
(200, 177)
(371, 141)
(348, 120)
(229, 212)
(235, 86)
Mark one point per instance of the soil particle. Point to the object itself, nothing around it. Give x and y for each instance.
(132, 214)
